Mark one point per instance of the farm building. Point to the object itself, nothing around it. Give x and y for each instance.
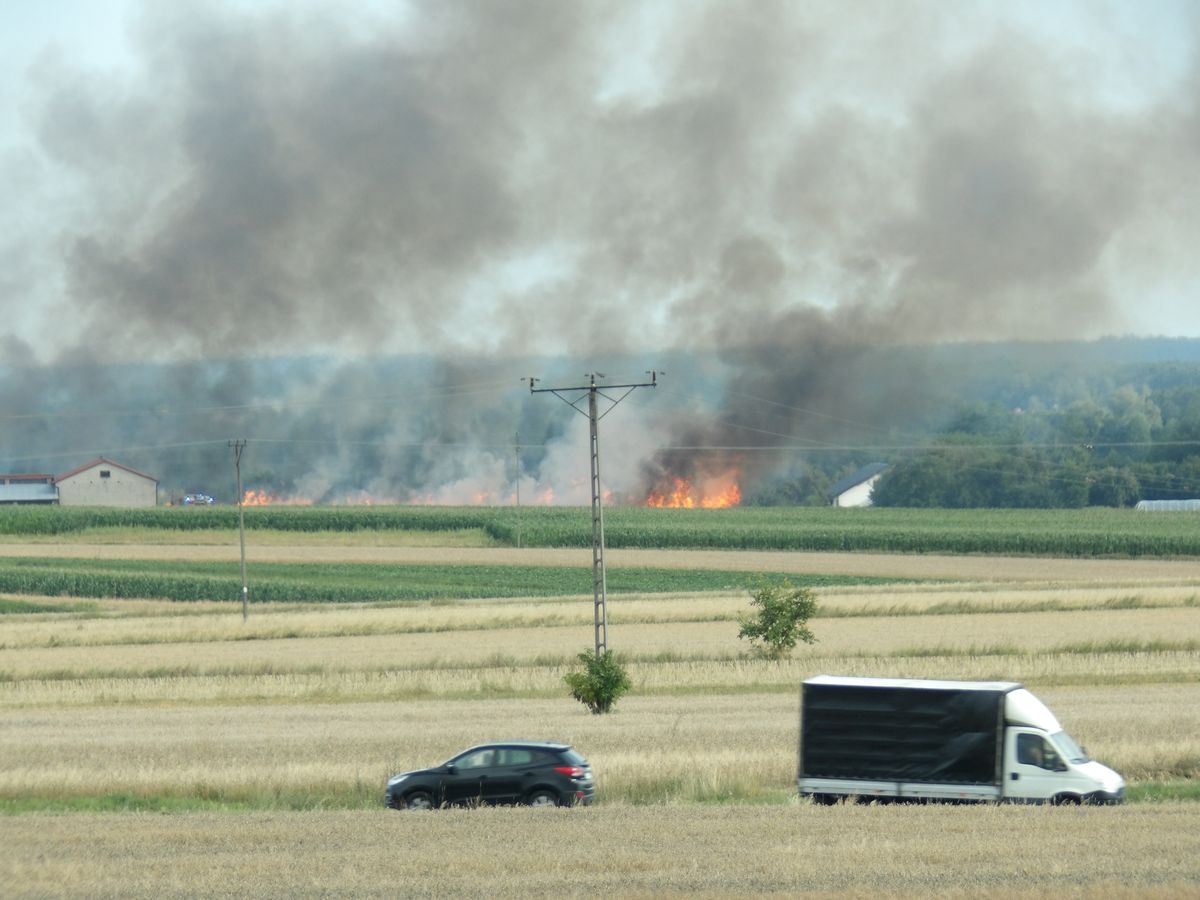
(28, 488)
(103, 482)
(855, 489)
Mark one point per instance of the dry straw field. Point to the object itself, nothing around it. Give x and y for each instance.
(155, 748)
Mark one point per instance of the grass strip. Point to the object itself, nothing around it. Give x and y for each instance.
(1187, 789)
(649, 791)
(551, 620)
(13, 606)
(552, 661)
(202, 800)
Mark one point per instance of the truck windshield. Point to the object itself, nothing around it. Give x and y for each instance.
(1070, 750)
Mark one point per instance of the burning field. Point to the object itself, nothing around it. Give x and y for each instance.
(720, 492)
(710, 493)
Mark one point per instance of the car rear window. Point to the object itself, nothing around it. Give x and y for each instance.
(515, 756)
(573, 758)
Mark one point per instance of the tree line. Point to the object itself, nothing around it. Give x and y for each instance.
(1064, 440)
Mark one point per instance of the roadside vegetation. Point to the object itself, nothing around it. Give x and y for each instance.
(779, 619)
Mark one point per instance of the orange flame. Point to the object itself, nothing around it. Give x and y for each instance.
(263, 498)
(716, 493)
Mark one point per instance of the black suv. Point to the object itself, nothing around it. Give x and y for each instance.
(531, 772)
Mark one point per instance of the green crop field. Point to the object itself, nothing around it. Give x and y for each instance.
(357, 583)
(1083, 533)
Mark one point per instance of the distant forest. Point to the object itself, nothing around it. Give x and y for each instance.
(1102, 424)
(1005, 424)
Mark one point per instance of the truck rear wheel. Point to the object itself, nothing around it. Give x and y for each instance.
(826, 799)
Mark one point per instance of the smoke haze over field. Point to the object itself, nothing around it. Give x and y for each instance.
(780, 185)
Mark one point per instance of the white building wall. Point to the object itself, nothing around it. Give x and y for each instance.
(859, 495)
(119, 487)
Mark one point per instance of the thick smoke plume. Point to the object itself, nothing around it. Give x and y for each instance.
(780, 185)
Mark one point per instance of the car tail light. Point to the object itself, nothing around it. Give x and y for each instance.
(573, 771)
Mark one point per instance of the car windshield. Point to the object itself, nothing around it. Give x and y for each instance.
(1068, 748)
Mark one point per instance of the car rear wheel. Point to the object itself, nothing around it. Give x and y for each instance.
(543, 799)
(418, 800)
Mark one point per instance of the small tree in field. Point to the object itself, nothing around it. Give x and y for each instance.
(601, 683)
(780, 618)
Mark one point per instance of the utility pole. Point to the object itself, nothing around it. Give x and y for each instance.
(238, 447)
(518, 446)
(599, 581)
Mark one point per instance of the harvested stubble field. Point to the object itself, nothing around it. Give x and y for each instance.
(154, 748)
(1134, 851)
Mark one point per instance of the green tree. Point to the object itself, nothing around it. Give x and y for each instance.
(602, 682)
(1181, 425)
(1081, 422)
(780, 619)
(917, 482)
(1112, 486)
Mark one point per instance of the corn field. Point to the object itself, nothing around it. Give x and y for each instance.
(178, 580)
(1098, 532)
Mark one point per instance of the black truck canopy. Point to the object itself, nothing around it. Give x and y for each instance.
(895, 729)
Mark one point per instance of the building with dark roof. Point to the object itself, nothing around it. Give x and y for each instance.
(855, 489)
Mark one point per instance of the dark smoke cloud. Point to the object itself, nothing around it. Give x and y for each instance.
(280, 179)
(786, 184)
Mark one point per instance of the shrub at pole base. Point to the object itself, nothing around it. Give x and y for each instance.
(601, 683)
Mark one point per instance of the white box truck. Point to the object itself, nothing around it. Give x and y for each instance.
(955, 741)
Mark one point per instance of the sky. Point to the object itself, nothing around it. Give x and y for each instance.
(229, 179)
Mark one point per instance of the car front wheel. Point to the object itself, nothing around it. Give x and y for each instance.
(543, 799)
(418, 800)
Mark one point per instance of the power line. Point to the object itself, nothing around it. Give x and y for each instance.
(452, 391)
(506, 447)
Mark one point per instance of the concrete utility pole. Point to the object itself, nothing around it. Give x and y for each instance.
(518, 454)
(599, 581)
(238, 447)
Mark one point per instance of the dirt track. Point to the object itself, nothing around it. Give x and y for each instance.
(958, 568)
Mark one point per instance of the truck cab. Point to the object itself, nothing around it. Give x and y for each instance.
(1044, 764)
